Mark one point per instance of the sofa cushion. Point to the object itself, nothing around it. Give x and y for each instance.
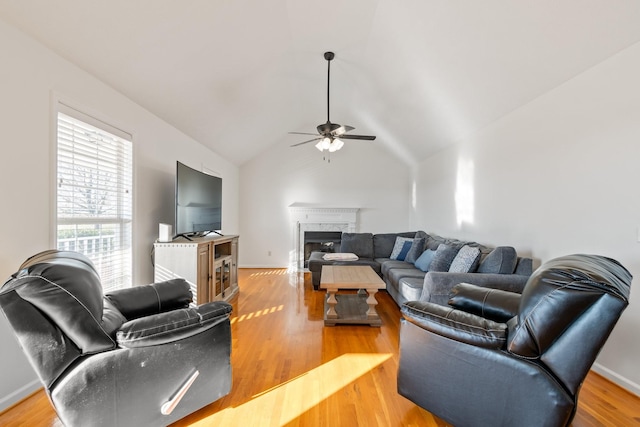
(502, 260)
(383, 243)
(395, 274)
(443, 258)
(424, 260)
(410, 288)
(388, 264)
(316, 261)
(466, 260)
(375, 265)
(360, 244)
(524, 267)
(401, 248)
(417, 247)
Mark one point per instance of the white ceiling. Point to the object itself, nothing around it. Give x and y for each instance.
(237, 75)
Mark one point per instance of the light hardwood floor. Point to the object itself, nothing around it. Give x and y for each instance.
(290, 370)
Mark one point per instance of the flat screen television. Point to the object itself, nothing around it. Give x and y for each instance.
(198, 202)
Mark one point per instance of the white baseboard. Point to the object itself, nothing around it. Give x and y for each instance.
(18, 395)
(617, 378)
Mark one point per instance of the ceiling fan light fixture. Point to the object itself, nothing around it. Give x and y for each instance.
(329, 133)
(324, 144)
(336, 145)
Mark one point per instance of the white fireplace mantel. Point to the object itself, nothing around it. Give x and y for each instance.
(305, 218)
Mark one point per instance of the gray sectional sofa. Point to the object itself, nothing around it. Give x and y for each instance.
(498, 268)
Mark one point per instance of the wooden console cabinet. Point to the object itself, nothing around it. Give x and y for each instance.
(209, 264)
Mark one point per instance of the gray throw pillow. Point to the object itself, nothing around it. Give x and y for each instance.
(420, 234)
(443, 258)
(466, 260)
(524, 267)
(417, 247)
(501, 260)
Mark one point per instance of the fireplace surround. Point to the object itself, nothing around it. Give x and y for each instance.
(308, 219)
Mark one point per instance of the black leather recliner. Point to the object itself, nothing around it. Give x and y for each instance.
(135, 357)
(469, 365)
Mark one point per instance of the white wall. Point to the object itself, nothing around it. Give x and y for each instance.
(30, 76)
(361, 175)
(557, 176)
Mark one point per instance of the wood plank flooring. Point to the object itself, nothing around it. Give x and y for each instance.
(290, 370)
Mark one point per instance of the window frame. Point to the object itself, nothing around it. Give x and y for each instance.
(93, 119)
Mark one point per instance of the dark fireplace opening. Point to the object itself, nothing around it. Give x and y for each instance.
(323, 241)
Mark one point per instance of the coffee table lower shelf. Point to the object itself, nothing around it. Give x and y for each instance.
(352, 310)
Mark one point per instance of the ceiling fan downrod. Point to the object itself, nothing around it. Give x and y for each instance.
(330, 134)
(328, 56)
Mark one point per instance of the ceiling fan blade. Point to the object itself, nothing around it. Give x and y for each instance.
(311, 140)
(363, 137)
(342, 130)
(302, 133)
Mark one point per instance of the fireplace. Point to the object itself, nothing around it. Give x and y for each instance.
(305, 219)
(323, 241)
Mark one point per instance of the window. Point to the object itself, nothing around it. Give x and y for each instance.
(93, 194)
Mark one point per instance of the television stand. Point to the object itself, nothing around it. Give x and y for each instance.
(209, 264)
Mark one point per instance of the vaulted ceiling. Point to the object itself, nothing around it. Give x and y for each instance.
(237, 75)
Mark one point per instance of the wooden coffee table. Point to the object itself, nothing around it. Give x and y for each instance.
(359, 308)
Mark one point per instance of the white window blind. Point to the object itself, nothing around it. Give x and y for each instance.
(94, 200)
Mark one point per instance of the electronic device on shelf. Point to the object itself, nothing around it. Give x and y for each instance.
(198, 202)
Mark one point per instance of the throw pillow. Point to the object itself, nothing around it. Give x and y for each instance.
(502, 260)
(466, 260)
(443, 258)
(401, 248)
(417, 247)
(424, 261)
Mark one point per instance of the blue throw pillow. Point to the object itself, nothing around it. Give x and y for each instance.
(424, 261)
(401, 248)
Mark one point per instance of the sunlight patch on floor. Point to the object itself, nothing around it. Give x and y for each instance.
(285, 402)
(257, 313)
(270, 272)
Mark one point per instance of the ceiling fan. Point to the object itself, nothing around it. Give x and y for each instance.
(330, 135)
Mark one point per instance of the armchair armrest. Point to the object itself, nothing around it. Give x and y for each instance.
(140, 301)
(456, 325)
(171, 326)
(437, 284)
(493, 304)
